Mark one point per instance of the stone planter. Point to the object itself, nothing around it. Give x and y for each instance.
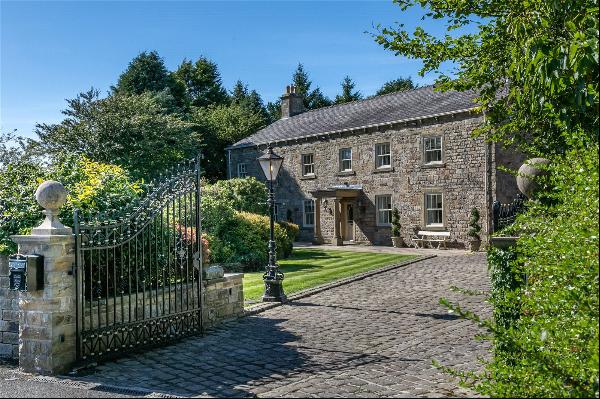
(474, 245)
(212, 272)
(397, 242)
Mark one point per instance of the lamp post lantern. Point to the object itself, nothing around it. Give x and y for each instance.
(273, 277)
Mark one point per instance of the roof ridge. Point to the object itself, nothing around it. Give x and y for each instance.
(361, 100)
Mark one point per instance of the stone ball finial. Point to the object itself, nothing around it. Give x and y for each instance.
(526, 178)
(51, 195)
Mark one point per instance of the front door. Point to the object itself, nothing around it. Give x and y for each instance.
(349, 225)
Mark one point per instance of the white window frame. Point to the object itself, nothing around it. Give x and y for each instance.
(379, 210)
(342, 160)
(380, 156)
(426, 151)
(242, 170)
(429, 208)
(306, 213)
(311, 164)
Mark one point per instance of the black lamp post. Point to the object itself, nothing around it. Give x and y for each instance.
(273, 277)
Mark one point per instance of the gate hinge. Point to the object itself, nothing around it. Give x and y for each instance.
(73, 270)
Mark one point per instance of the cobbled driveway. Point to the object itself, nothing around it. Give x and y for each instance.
(375, 337)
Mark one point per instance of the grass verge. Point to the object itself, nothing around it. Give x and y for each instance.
(308, 268)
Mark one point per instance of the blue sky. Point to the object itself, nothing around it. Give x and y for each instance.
(50, 51)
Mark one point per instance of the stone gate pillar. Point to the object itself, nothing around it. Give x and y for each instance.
(47, 333)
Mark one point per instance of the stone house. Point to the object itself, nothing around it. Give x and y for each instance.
(347, 166)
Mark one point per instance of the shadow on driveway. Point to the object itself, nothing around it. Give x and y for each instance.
(227, 361)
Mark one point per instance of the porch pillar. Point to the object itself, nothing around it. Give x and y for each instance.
(47, 329)
(337, 213)
(318, 235)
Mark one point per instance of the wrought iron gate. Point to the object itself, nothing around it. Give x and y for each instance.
(139, 279)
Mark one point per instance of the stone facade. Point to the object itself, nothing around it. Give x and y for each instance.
(9, 314)
(466, 178)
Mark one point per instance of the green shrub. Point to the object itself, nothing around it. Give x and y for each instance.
(545, 290)
(396, 226)
(91, 186)
(474, 227)
(247, 241)
(292, 230)
(244, 195)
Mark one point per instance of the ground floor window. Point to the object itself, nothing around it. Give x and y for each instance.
(309, 213)
(434, 209)
(384, 209)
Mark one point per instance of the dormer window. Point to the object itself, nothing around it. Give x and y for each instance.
(346, 160)
(432, 150)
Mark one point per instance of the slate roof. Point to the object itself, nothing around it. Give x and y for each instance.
(409, 105)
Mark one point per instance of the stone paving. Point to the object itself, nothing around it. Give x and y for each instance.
(375, 337)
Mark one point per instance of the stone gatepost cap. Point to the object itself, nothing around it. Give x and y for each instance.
(51, 195)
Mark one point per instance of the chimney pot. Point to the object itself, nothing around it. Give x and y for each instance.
(291, 102)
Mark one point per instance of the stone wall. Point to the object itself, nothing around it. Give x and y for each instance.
(223, 298)
(9, 314)
(461, 176)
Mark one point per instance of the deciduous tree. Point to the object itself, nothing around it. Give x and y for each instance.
(535, 64)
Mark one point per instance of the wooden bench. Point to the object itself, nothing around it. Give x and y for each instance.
(430, 237)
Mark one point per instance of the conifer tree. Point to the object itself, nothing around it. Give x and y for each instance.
(348, 94)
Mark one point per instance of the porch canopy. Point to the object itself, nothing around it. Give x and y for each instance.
(337, 193)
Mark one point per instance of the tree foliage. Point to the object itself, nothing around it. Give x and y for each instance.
(534, 63)
(221, 126)
(202, 82)
(545, 293)
(136, 132)
(396, 85)
(348, 94)
(313, 99)
(251, 100)
(91, 186)
(147, 73)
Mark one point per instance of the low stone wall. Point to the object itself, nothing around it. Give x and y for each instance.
(223, 298)
(9, 314)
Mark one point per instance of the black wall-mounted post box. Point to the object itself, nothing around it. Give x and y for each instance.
(26, 272)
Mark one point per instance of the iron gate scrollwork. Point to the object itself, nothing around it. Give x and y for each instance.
(139, 274)
(504, 215)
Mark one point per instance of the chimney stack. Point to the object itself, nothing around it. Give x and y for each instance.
(291, 103)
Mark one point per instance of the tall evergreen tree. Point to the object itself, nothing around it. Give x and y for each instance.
(312, 99)
(202, 82)
(250, 100)
(147, 73)
(348, 94)
(400, 84)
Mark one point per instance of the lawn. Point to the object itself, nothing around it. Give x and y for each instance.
(308, 268)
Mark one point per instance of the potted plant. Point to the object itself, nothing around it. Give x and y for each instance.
(396, 238)
(474, 229)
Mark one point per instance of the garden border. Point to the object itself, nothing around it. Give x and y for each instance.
(261, 307)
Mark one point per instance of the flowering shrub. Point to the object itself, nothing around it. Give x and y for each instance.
(91, 186)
